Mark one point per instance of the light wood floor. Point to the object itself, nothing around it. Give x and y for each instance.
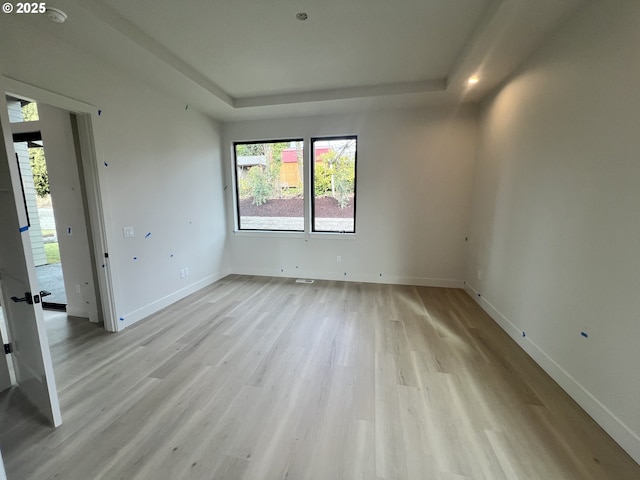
(261, 378)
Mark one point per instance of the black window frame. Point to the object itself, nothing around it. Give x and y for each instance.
(237, 184)
(312, 165)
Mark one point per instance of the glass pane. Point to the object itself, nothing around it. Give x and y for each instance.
(334, 184)
(270, 185)
(22, 110)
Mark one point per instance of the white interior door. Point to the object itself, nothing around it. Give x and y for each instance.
(3, 475)
(20, 295)
(5, 378)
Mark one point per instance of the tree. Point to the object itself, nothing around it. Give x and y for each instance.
(250, 149)
(343, 180)
(30, 112)
(337, 174)
(262, 181)
(321, 179)
(260, 184)
(39, 170)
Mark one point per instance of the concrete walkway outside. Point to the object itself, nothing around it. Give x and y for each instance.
(50, 278)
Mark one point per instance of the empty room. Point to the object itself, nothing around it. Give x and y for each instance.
(320, 240)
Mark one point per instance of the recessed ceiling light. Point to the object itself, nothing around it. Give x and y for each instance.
(473, 80)
(302, 16)
(55, 15)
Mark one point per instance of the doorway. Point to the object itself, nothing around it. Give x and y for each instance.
(36, 190)
(54, 197)
(84, 119)
(64, 128)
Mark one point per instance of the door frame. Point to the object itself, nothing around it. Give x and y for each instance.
(3, 475)
(87, 118)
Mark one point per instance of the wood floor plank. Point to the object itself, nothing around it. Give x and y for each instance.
(262, 378)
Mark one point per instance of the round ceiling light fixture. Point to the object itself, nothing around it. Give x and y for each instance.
(302, 16)
(55, 15)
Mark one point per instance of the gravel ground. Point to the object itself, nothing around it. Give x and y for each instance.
(325, 207)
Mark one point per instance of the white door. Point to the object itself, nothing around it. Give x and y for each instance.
(3, 475)
(5, 378)
(21, 302)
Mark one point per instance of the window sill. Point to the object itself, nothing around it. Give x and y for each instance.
(298, 235)
(270, 234)
(332, 236)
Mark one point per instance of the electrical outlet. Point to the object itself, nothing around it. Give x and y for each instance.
(186, 271)
(127, 232)
(183, 274)
(339, 259)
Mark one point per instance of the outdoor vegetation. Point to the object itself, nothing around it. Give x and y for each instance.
(30, 112)
(41, 184)
(39, 170)
(52, 251)
(262, 182)
(270, 180)
(334, 173)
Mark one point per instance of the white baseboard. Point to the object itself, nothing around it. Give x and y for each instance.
(619, 431)
(81, 313)
(141, 313)
(355, 277)
(77, 312)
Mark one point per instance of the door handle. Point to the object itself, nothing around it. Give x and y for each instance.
(27, 298)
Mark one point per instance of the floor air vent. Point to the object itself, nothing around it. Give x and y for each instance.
(304, 280)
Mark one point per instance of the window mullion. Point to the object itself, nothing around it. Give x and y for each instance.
(308, 185)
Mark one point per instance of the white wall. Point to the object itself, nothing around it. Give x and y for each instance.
(555, 233)
(164, 174)
(414, 171)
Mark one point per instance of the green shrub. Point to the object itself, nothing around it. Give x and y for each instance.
(243, 188)
(343, 184)
(344, 175)
(39, 170)
(260, 184)
(321, 179)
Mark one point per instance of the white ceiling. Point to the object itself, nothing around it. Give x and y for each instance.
(240, 59)
(258, 47)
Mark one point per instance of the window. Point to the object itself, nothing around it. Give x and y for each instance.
(22, 110)
(334, 184)
(270, 185)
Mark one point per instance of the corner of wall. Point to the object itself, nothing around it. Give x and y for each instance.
(615, 427)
